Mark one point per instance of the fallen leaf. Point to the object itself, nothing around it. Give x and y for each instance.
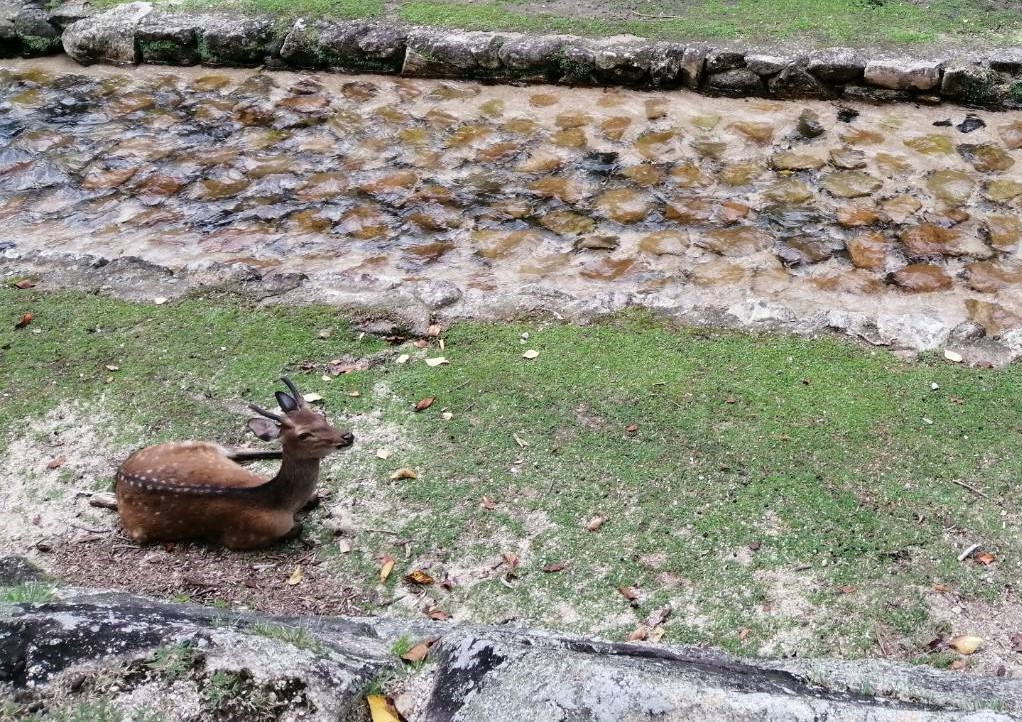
(730, 400)
(1016, 642)
(520, 441)
(112, 367)
(416, 653)
(344, 546)
(744, 633)
(419, 577)
(296, 576)
(25, 283)
(510, 560)
(354, 394)
(595, 523)
(958, 664)
(434, 330)
(420, 343)
(447, 415)
(24, 321)
(402, 359)
(755, 545)
(941, 588)
(159, 300)
(629, 593)
(56, 462)
(383, 454)
(531, 354)
(638, 634)
(103, 501)
(425, 403)
(632, 428)
(438, 615)
(985, 558)
(325, 333)
(404, 473)
(555, 567)
(965, 644)
(657, 634)
(953, 356)
(312, 398)
(848, 589)
(381, 710)
(437, 361)
(386, 567)
(659, 616)
(488, 503)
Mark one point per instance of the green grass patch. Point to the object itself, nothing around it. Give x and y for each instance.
(856, 22)
(295, 636)
(27, 593)
(766, 476)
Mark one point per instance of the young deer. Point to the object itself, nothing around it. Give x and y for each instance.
(198, 490)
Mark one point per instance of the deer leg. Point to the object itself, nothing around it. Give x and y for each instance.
(243, 455)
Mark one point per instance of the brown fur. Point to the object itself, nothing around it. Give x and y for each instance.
(194, 490)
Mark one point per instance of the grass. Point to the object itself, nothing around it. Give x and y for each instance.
(295, 636)
(175, 661)
(801, 489)
(27, 593)
(857, 22)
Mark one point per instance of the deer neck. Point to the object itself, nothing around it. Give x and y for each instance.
(294, 483)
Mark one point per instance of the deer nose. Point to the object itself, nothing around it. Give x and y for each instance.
(347, 438)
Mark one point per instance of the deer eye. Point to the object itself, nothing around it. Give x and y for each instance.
(304, 435)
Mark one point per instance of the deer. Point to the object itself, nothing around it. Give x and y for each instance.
(198, 490)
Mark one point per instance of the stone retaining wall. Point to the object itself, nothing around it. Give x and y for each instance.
(137, 32)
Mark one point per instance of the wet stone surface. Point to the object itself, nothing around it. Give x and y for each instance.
(670, 200)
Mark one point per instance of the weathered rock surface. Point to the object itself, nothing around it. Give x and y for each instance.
(735, 83)
(837, 65)
(440, 54)
(353, 46)
(110, 646)
(107, 37)
(903, 74)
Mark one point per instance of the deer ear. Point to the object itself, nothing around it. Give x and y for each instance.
(264, 429)
(287, 403)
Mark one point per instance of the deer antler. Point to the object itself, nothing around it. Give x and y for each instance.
(295, 393)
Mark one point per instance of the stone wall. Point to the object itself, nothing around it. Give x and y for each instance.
(137, 32)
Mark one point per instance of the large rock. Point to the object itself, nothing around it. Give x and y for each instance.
(236, 41)
(9, 43)
(973, 85)
(622, 60)
(735, 83)
(766, 65)
(667, 65)
(170, 658)
(693, 67)
(168, 38)
(796, 82)
(719, 61)
(107, 37)
(904, 74)
(352, 46)
(71, 11)
(837, 65)
(35, 33)
(533, 58)
(452, 54)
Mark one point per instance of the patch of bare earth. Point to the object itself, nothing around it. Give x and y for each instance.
(995, 622)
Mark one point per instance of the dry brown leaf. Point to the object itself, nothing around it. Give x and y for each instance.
(555, 567)
(419, 577)
(344, 546)
(404, 473)
(629, 593)
(434, 330)
(103, 501)
(425, 403)
(416, 653)
(402, 359)
(24, 321)
(730, 400)
(381, 710)
(957, 665)
(530, 354)
(56, 462)
(437, 361)
(638, 634)
(386, 567)
(510, 560)
(595, 523)
(965, 643)
(488, 503)
(519, 440)
(112, 367)
(848, 589)
(383, 454)
(354, 394)
(657, 634)
(985, 558)
(941, 588)
(420, 343)
(754, 545)
(296, 576)
(659, 616)
(744, 633)
(438, 615)
(632, 428)
(25, 283)
(1016, 642)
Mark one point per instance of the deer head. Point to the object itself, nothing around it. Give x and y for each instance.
(303, 432)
